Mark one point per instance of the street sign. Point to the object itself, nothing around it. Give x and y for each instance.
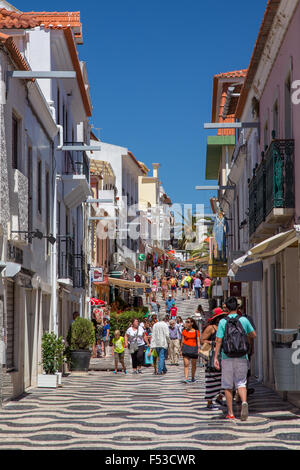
(141, 257)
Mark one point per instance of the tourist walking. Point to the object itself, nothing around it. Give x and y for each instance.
(174, 345)
(185, 284)
(148, 294)
(190, 347)
(154, 288)
(160, 341)
(207, 284)
(169, 303)
(197, 287)
(173, 286)
(119, 351)
(233, 338)
(136, 338)
(213, 377)
(173, 312)
(164, 288)
(105, 337)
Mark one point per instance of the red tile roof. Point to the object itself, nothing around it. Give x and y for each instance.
(31, 19)
(236, 74)
(58, 19)
(12, 19)
(264, 32)
(16, 55)
(230, 78)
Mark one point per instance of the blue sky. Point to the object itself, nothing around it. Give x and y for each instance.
(151, 65)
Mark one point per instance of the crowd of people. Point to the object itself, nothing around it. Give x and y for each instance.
(190, 283)
(227, 332)
(224, 340)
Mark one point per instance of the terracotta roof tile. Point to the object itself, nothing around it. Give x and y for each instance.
(12, 19)
(58, 19)
(31, 19)
(231, 77)
(16, 55)
(235, 74)
(263, 35)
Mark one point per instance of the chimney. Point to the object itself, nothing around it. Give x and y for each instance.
(156, 166)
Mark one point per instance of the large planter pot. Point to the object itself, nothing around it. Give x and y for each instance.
(47, 380)
(80, 360)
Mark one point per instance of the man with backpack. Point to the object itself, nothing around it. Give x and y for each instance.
(233, 340)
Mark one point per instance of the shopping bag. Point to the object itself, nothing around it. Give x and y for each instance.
(148, 359)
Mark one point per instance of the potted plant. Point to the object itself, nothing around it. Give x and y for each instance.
(52, 359)
(81, 338)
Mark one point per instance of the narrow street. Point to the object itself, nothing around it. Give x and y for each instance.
(101, 411)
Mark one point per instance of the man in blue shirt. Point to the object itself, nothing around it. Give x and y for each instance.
(169, 304)
(234, 369)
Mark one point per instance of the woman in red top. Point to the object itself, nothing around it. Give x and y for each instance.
(190, 346)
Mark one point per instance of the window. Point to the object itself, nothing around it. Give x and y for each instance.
(39, 186)
(276, 120)
(15, 142)
(266, 135)
(288, 109)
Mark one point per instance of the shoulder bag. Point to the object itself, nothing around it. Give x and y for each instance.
(191, 351)
(133, 347)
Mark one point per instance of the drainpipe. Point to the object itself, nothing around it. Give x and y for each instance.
(54, 231)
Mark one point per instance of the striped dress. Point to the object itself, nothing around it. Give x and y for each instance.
(212, 380)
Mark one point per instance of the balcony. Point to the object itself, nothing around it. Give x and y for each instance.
(75, 176)
(79, 275)
(65, 267)
(71, 266)
(272, 190)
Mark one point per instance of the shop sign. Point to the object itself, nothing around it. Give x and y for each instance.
(97, 275)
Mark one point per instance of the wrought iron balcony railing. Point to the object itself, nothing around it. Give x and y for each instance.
(272, 185)
(76, 162)
(71, 265)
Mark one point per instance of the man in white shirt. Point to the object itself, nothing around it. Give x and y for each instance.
(159, 340)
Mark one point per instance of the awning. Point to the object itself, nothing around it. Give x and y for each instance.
(215, 145)
(127, 284)
(132, 268)
(270, 247)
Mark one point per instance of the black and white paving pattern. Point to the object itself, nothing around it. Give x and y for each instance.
(100, 410)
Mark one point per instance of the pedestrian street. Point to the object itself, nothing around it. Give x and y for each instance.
(103, 411)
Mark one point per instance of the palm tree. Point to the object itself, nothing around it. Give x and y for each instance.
(186, 230)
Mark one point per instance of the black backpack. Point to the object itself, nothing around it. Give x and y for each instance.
(235, 341)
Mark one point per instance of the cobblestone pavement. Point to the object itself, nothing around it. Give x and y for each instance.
(100, 410)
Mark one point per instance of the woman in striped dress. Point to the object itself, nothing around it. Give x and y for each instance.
(213, 378)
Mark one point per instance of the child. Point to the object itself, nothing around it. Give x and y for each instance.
(118, 343)
(173, 312)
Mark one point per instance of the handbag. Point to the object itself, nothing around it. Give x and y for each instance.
(205, 351)
(190, 351)
(210, 367)
(133, 347)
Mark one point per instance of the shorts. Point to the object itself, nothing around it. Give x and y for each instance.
(234, 373)
(119, 356)
(173, 287)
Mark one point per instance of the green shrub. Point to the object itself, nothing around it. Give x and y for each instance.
(122, 321)
(52, 352)
(81, 334)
